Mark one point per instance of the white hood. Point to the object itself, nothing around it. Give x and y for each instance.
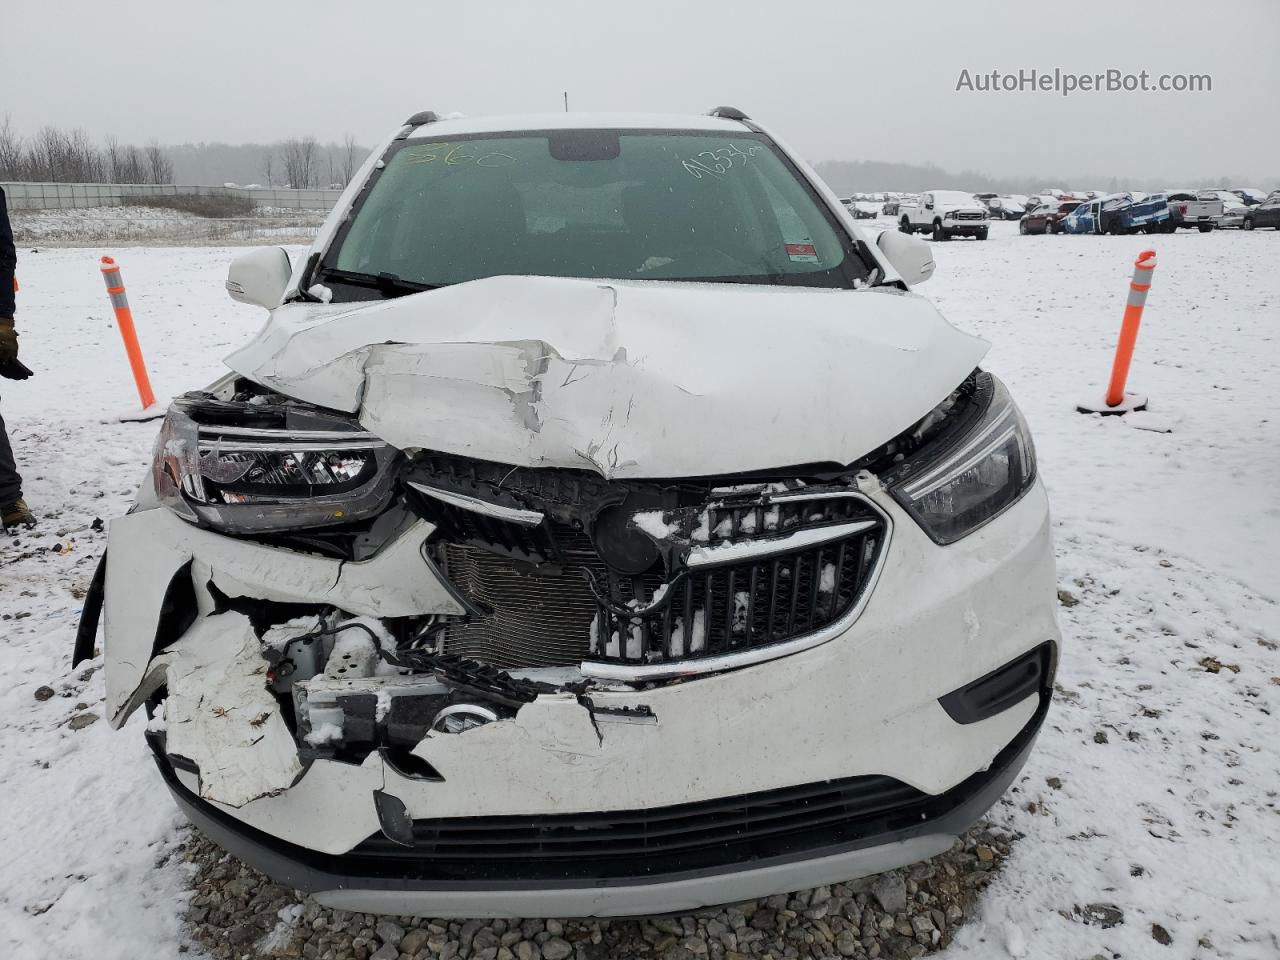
(632, 379)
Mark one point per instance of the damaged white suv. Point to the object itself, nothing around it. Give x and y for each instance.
(597, 526)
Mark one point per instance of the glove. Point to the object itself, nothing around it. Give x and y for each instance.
(14, 370)
(8, 341)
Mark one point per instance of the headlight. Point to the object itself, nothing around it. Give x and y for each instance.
(953, 491)
(251, 480)
(948, 215)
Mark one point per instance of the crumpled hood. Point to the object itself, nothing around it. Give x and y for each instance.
(632, 379)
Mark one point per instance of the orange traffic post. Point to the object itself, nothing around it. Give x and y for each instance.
(128, 333)
(1116, 400)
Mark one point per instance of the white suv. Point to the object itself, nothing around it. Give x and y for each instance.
(597, 526)
(944, 214)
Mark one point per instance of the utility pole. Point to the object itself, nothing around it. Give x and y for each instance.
(566, 101)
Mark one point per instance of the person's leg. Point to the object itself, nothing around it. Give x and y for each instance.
(10, 482)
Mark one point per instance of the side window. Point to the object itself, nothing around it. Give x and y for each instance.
(928, 200)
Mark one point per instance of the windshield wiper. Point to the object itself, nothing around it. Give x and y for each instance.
(388, 284)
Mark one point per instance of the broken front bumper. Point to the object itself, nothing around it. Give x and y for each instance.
(378, 878)
(583, 804)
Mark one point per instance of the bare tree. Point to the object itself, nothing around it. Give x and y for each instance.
(348, 161)
(133, 166)
(299, 156)
(12, 152)
(111, 155)
(269, 163)
(159, 166)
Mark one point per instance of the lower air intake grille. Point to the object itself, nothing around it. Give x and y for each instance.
(839, 809)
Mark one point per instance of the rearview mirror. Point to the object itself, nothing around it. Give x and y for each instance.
(260, 277)
(910, 256)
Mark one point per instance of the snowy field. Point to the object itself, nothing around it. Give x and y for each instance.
(155, 225)
(1152, 795)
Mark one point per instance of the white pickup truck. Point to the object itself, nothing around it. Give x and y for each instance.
(945, 214)
(1194, 208)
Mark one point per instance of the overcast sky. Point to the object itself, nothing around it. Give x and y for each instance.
(838, 79)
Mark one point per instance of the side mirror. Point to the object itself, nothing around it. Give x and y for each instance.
(260, 277)
(910, 256)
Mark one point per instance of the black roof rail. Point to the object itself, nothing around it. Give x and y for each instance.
(417, 120)
(727, 113)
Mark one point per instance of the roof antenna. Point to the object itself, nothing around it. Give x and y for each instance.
(566, 101)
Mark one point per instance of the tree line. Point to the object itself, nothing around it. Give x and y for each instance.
(56, 155)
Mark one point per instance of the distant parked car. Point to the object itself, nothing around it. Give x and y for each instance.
(1265, 214)
(1004, 208)
(1250, 196)
(945, 214)
(1233, 209)
(1046, 217)
(894, 204)
(1194, 208)
(1120, 213)
(862, 209)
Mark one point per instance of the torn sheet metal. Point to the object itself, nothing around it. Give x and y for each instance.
(146, 550)
(631, 379)
(220, 715)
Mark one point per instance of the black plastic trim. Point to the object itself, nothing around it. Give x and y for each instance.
(87, 629)
(1003, 687)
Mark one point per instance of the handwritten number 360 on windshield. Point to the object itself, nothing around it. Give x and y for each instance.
(456, 155)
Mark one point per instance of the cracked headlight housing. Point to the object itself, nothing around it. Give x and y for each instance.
(253, 480)
(955, 486)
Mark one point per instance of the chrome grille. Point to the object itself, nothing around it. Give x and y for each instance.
(767, 591)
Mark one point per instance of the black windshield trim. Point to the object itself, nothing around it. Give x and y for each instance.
(844, 274)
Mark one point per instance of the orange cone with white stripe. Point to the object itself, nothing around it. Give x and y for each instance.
(128, 333)
(1117, 400)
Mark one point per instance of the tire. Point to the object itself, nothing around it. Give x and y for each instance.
(1206, 227)
(982, 234)
(1248, 224)
(938, 232)
(1022, 228)
(905, 226)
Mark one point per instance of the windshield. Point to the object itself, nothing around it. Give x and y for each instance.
(594, 203)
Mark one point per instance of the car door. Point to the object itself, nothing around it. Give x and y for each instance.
(1087, 217)
(1267, 214)
(925, 208)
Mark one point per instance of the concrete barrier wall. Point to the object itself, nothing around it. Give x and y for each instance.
(61, 196)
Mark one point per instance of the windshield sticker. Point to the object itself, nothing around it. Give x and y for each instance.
(451, 155)
(719, 162)
(802, 252)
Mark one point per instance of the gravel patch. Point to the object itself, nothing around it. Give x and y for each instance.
(237, 913)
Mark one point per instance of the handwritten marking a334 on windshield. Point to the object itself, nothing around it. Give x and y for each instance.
(718, 162)
(456, 154)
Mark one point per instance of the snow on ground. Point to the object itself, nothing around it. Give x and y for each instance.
(155, 225)
(1153, 788)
